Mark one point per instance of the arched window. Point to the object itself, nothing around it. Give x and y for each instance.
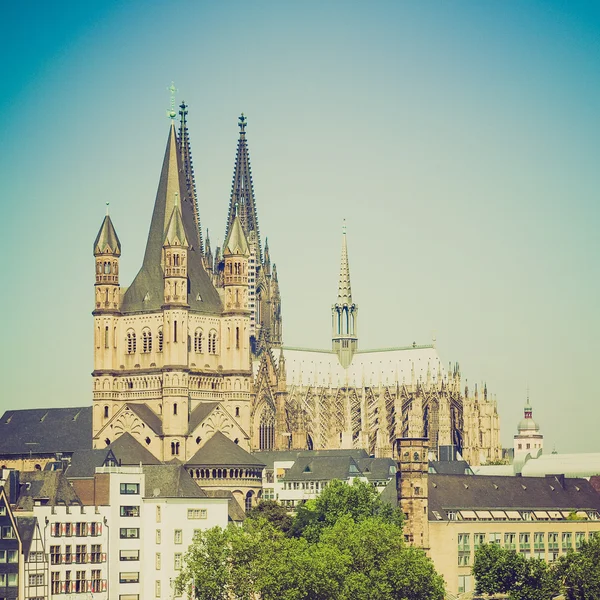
(173, 448)
(146, 341)
(266, 429)
(106, 412)
(106, 337)
(212, 342)
(131, 342)
(160, 339)
(175, 408)
(106, 268)
(237, 338)
(198, 341)
(248, 502)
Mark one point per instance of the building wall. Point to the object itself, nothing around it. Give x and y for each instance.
(445, 549)
(10, 553)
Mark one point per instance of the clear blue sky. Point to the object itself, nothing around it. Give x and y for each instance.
(460, 140)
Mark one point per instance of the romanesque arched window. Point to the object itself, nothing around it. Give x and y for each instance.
(106, 412)
(160, 339)
(131, 342)
(146, 341)
(248, 501)
(212, 342)
(266, 429)
(198, 341)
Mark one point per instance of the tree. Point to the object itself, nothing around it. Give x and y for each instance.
(580, 571)
(273, 512)
(501, 571)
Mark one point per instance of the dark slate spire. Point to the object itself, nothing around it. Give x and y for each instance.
(147, 290)
(242, 191)
(107, 239)
(188, 169)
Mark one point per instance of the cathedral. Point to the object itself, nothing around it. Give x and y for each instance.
(194, 346)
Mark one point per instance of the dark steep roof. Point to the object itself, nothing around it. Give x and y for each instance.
(323, 468)
(482, 492)
(200, 413)
(269, 457)
(46, 430)
(219, 450)
(170, 481)
(26, 527)
(450, 467)
(128, 451)
(50, 487)
(377, 469)
(146, 414)
(84, 462)
(146, 293)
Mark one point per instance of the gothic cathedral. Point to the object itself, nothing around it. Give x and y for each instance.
(194, 346)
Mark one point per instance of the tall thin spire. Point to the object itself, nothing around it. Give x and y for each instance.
(242, 191)
(188, 169)
(344, 289)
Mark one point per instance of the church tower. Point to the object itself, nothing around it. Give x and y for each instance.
(528, 439)
(344, 314)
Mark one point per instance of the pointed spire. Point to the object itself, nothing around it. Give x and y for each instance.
(107, 238)
(236, 242)
(267, 262)
(344, 290)
(242, 199)
(188, 170)
(175, 234)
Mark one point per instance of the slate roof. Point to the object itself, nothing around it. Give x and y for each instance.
(26, 527)
(146, 293)
(84, 462)
(170, 481)
(46, 430)
(128, 451)
(52, 487)
(323, 468)
(219, 450)
(269, 457)
(146, 414)
(200, 413)
(450, 467)
(377, 469)
(107, 238)
(478, 492)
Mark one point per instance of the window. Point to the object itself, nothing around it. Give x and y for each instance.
(36, 557)
(567, 540)
(451, 515)
(68, 527)
(178, 536)
(524, 541)
(130, 488)
(8, 533)
(464, 584)
(158, 514)
(130, 511)
(526, 514)
(96, 555)
(198, 339)
(2, 579)
(158, 536)
(212, 342)
(129, 555)
(175, 445)
(95, 529)
(174, 331)
(36, 579)
(129, 577)
(157, 561)
(160, 340)
(146, 341)
(80, 552)
(106, 412)
(177, 561)
(494, 538)
(579, 539)
(196, 513)
(96, 581)
(157, 588)
(54, 582)
(174, 408)
(129, 532)
(510, 541)
(2, 511)
(131, 342)
(79, 582)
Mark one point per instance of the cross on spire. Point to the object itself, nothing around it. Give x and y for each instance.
(171, 113)
(242, 123)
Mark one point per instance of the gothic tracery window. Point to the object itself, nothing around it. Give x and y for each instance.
(266, 429)
(198, 340)
(131, 342)
(160, 340)
(212, 342)
(146, 341)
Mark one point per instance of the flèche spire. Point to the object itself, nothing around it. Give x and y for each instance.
(344, 289)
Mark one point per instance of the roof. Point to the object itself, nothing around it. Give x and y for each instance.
(146, 414)
(219, 450)
(368, 367)
(200, 413)
(128, 451)
(377, 469)
(170, 481)
(26, 527)
(50, 487)
(344, 289)
(146, 293)
(572, 465)
(175, 235)
(323, 468)
(236, 242)
(84, 462)
(475, 492)
(269, 457)
(450, 467)
(107, 240)
(46, 430)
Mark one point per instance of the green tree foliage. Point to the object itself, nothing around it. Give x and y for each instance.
(501, 571)
(580, 571)
(273, 512)
(345, 545)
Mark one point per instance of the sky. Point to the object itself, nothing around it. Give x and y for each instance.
(459, 140)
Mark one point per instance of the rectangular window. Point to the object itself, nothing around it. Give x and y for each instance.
(130, 511)
(158, 536)
(68, 529)
(96, 555)
(157, 561)
(36, 579)
(567, 540)
(79, 582)
(55, 582)
(80, 529)
(68, 555)
(177, 561)
(579, 539)
(96, 581)
(494, 538)
(13, 556)
(36, 557)
(196, 513)
(539, 540)
(95, 529)
(2, 511)
(158, 516)
(129, 532)
(129, 555)
(129, 577)
(55, 555)
(2, 556)
(157, 588)
(8, 533)
(553, 541)
(80, 552)
(2, 579)
(510, 541)
(130, 488)
(464, 584)
(178, 536)
(12, 579)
